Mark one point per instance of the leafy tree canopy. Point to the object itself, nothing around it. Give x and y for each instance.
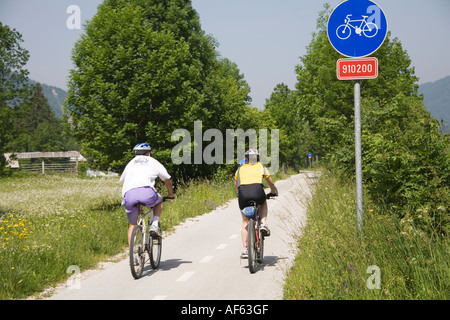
(13, 80)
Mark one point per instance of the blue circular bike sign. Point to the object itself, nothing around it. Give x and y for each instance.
(357, 28)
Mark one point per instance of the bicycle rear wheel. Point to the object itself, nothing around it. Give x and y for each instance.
(260, 247)
(251, 246)
(137, 252)
(155, 251)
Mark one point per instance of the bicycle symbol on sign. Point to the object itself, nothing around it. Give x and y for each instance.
(369, 29)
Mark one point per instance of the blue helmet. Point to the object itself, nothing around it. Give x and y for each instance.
(142, 148)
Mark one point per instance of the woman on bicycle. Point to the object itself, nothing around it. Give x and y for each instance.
(249, 184)
(139, 186)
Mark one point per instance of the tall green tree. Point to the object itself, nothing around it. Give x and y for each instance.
(13, 82)
(140, 73)
(35, 126)
(227, 101)
(231, 94)
(295, 136)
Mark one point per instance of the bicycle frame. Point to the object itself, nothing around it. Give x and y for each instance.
(368, 29)
(255, 246)
(147, 243)
(142, 223)
(363, 22)
(257, 220)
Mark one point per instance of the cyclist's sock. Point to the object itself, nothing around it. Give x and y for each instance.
(155, 221)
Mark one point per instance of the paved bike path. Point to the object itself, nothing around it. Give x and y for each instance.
(200, 260)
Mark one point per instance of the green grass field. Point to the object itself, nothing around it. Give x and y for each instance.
(48, 223)
(390, 259)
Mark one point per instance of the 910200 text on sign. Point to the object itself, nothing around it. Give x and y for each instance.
(357, 69)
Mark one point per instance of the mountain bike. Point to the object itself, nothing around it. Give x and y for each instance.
(143, 244)
(369, 29)
(255, 238)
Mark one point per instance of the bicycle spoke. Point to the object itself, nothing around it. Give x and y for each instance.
(137, 252)
(251, 246)
(155, 251)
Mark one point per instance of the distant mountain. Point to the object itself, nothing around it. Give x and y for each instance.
(436, 97)
(55, 97)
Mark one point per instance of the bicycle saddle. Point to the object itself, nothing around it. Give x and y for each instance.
(139, 204)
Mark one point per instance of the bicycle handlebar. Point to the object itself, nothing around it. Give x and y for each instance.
(269, 195)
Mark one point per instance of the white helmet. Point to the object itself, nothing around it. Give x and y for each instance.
(252, 151)
(142, 148)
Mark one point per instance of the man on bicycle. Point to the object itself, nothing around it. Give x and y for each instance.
(139, 187)
(249, 184)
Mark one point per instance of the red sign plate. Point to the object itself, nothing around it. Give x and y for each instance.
(356, 69)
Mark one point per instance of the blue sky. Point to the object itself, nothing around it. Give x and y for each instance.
(264, 37)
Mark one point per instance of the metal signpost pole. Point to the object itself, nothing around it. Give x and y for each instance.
(356, 29)
(358, 159)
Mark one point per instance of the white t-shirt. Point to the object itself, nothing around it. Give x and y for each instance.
(142, 171)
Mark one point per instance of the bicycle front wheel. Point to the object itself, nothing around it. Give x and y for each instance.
(137, 252)
(155, 251)
(370, 30)
(251, 246)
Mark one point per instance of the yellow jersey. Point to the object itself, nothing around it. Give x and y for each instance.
(251, 174)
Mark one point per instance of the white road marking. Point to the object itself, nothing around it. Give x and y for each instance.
(159, 297)
(185, 276)
(233, 236)
(206, 259)
(222, 246)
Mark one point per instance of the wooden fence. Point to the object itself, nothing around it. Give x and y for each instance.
(68, 163)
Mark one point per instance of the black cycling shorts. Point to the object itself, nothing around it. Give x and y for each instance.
(251, 192)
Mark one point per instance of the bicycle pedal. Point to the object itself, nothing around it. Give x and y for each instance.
(155, 233)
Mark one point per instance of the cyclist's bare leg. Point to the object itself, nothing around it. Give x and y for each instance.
(244, 231)
(263, 212)
(157, 209)
(130, 231)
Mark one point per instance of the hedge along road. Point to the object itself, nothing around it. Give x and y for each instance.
(201, 259)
